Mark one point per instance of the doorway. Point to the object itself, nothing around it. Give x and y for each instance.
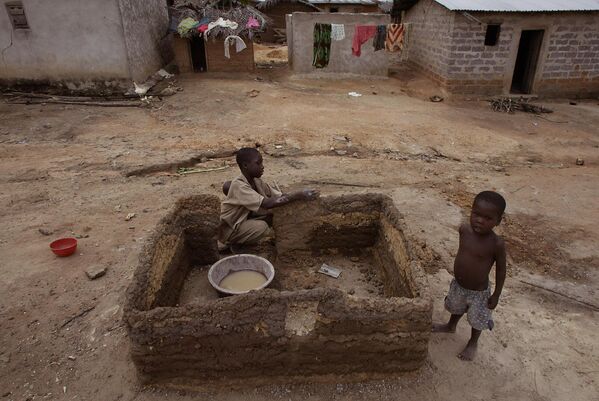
(527, 60)
(198, 54)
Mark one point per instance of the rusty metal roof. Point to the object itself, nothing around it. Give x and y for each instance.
(520, 5)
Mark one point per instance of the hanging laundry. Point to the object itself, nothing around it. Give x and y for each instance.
(395, 37)
(322, 45)
(252, 23)
(203, 25)
(361, 35)
(225, 23)
(380, 37)
(337, 31)
(239, 44)
(185, 26)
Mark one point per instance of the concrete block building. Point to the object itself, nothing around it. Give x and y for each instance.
(544, 47)
(80, 45)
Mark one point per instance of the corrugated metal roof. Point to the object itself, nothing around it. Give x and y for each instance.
(364, 2)
(520, 5)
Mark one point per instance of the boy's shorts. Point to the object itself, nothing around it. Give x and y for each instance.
(460, 300)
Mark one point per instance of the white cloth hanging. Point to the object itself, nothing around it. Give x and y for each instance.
(225, 23)
(239, 44)
(337, 32)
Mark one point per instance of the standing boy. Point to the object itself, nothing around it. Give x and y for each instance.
(245, 214)
(479, 249)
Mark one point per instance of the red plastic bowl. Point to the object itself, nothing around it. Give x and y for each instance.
(64, 246)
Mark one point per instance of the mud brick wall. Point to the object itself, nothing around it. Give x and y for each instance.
(271, 335)
(185, 237)
(450, 49)
(217, 62)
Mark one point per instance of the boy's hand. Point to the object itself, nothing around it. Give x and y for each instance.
(493, 301)
(310, 194)
(281, 200)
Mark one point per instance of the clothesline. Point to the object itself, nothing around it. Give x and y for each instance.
(390, 37)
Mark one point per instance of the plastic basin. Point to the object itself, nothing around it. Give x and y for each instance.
(230, 264)
(64, 246)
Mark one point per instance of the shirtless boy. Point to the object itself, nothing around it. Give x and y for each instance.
(479, 249)
(245, 213)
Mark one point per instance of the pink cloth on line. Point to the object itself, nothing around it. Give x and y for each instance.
(361, 35)
(252, 23)
(203, 28)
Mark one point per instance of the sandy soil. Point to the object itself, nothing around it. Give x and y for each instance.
(62, 169)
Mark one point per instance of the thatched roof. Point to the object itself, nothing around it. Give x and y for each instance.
(233, 10)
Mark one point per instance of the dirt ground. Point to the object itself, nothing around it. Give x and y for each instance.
(63, 169)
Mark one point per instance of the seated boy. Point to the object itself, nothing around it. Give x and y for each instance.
(479, 249)
(245, 214)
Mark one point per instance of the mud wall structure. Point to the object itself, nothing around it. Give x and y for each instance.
(271, 334)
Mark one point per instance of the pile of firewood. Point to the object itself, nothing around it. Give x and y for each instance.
(510, 105)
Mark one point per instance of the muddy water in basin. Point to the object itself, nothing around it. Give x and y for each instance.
(243, 280)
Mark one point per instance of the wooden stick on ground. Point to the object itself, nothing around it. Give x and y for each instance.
(80, 314)
(343, 184)
(595, 307)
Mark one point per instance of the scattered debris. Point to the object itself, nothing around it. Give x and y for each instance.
(129, 216)
(436, 99)
(579, 161)
(341, 152)
(329, 270)
(253, 93)
(342, 138)
(71, 357)
(95, 272)
(573, 103)
(165, 74)
(170, 91)
(510, 105)
(80, 236)
(352, 291)
(5, 358)
(45, 231)
(354, 94)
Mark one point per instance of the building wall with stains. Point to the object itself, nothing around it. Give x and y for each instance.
(82, 44)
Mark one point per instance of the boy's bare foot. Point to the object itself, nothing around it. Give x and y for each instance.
(443, 328)
(469, 352)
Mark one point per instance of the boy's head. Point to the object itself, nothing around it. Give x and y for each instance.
(249, 161)
(487, 211)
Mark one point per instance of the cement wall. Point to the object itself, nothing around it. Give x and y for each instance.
(80, 45)
(272, 335)
(460, 62)
(301, 45)
(145, 24)
(67, 39)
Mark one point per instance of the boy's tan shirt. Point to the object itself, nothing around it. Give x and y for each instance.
(240, 202)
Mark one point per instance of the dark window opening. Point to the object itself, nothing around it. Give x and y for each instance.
(17, 16)
(198, 54)
(334, 9)
(492, 35)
